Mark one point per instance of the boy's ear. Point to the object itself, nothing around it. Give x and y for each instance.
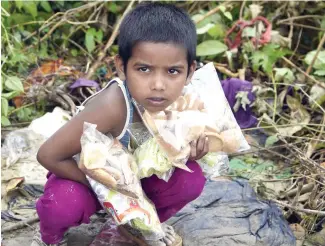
(119, 64)
(192, 69)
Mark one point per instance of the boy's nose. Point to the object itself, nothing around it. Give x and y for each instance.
(158, 83)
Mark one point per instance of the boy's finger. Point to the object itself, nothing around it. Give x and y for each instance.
(193, 149)
(200, 145)
(206, 145)
(205, 149)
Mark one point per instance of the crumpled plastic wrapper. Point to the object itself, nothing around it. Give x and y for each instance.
(113, 175)
(202, 109)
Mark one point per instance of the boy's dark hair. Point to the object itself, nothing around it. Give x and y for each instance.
(157, 22)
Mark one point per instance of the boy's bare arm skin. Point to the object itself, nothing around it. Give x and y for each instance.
(107, 110)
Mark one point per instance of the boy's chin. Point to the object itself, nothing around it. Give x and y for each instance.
(153, 110)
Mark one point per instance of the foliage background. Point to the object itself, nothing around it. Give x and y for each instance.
(47, 45)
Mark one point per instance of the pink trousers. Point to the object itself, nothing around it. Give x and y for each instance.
(66, 203)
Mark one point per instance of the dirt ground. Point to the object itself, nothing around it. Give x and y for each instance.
(78, 236)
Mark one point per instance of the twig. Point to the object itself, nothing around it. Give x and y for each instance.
(304, 189)
(226, 71)
(242, 10)
(275, 96)
(272, 152)
(109, 42)
(303, 72)
(290, 33)
(20, 224)
(307, 211)
(211, 12)
(299, 18)
(81, 48)
(279, 126)
(320, 46)
(305, 26)
(312, 99)
(193, 7)
(312, 144)
(297, 45)
(17, 109)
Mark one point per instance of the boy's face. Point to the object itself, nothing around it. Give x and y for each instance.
(156, 74)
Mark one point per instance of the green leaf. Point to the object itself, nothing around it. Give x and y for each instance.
(5, 121)
(74, 52)
(228, 15)
(31, 7)
(284, 74)
(204, 29)
(322, 25)
(43, 51)
(222, 8)
(14, 83)
(320, 60)
(5, 5)
(112, 7)
(19, 4)
(10, 95)
(218, 31)
(214, 19)
(90, 39)
(271, 140)
(99, 36)
(46, 6)
(211, 47)
(4, 106)
(24, 114)
(267, 57)
(249, 32)
(320, 72)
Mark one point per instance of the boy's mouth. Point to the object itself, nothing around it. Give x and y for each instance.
(156, 101)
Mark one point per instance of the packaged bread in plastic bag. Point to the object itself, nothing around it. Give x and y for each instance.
(113, 175)
(201, 110)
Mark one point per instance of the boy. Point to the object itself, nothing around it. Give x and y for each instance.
(157, 49)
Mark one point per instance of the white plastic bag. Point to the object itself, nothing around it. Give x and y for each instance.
(202, 109)
(112, 174)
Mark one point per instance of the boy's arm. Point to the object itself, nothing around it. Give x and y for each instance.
(107, 110)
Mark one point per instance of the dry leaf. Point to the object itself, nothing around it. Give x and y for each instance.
(255, 10)
(299, 117)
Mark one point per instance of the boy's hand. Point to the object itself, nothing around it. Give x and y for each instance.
(199, 148)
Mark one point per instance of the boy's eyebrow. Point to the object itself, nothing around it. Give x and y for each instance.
(142, 64)
(179, 66)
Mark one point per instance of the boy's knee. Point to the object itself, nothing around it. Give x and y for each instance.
(193, 183)
(67, 203)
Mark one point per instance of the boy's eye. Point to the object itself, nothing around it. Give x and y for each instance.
(173, 71)
(144, 69)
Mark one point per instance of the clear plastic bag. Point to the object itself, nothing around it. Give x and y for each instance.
(202, 109)
(148, 155)
(113, 175)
